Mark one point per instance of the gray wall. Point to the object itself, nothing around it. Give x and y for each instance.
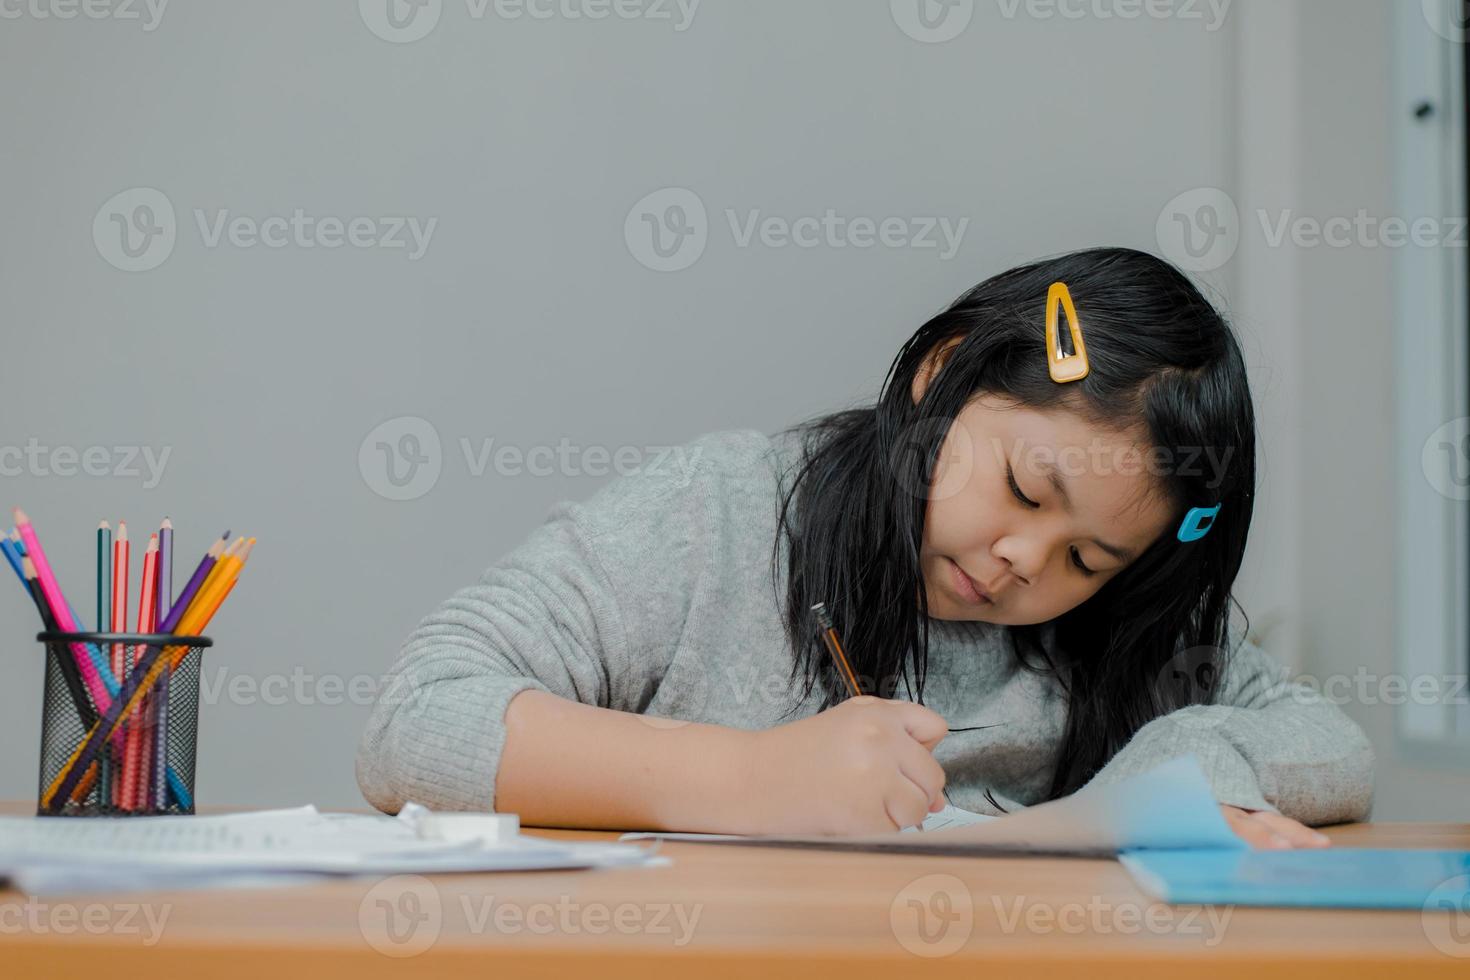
(529, 319)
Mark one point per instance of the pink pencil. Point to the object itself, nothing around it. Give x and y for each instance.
(60, 610)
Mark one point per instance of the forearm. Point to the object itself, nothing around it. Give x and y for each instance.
(567, 764)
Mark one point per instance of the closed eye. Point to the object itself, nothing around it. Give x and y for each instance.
(1033, 505)
(1016, 489)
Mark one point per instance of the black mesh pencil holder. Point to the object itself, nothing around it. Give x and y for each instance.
(119, 723)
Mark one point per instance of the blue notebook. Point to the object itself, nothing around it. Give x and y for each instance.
(1336, 877)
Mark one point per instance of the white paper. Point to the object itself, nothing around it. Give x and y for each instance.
(1170, 806)
(67, 853)
(950, 816)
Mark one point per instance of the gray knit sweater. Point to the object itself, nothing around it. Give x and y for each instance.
(656, 596)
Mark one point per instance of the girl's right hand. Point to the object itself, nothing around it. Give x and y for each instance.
(864, 766)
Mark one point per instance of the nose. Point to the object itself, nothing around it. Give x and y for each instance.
(1020, 559)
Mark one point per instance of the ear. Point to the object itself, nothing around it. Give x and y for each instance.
(932, 365)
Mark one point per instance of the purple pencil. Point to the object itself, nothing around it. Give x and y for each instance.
(181, 604)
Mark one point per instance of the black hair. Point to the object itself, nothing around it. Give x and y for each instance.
(1163, 361)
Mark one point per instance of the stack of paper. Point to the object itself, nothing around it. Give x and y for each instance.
(55, 854)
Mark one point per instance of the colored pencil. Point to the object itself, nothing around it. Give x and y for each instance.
(164, 589)
(191, 612)
(69, 673)
(59, 608)
(163, 598)
(13, 557)
(80, 764)
(136, 748)
(104, 603)
(121, 574)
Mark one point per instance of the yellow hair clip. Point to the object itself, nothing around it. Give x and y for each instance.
(1064, 368)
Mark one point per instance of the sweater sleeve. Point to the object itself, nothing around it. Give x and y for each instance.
(586, 609)
(1268, 744)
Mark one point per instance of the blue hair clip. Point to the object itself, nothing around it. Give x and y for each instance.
(1197, 523)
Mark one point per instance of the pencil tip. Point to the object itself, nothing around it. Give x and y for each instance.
(104, 526)
(20, 516)
(167, 525)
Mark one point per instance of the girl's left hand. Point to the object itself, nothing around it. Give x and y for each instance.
(1265, 830)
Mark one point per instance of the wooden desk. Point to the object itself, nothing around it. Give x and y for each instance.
(745, 912)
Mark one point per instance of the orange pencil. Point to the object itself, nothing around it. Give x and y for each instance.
(137, 746)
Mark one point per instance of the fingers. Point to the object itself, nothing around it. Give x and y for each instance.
(906, 803)
(924, 725)
(1295, 834)
(925, 772)
(1264, 830)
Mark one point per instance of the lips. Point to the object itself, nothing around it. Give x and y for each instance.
(967, 587)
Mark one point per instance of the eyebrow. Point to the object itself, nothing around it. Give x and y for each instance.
(1059, 485)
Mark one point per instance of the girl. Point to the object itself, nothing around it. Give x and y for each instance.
(1031, 578)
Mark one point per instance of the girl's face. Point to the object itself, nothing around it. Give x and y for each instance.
(1030, 513)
